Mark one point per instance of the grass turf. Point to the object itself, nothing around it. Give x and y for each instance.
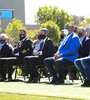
(41, 91)
(28, 97)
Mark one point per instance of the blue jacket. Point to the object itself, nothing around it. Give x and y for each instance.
(70, 50)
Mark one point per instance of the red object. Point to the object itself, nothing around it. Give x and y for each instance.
(0, 13)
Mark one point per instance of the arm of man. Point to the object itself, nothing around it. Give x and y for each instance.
(27, 47)
(74, 45)
(6, 51)
(48, 50)
(56, 57)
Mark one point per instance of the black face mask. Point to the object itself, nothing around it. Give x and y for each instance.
(80, 35)
(62, 36)
(22, 36)
(41, 36)
(2, 41)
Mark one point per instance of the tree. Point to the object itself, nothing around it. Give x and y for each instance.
(12, 29)
(54, 31)
(60, 17)
(77, 20)
(84, 22)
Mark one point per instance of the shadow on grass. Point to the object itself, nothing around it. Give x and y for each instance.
(15, 80)
(32, 97)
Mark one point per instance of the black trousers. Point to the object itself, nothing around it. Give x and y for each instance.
(4, 69)
(31, 63)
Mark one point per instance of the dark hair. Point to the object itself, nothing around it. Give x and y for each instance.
(76, 29)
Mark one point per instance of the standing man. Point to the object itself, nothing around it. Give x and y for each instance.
(66, 54)
(24, 46)
(46, 50)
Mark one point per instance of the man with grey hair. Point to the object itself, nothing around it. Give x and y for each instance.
(84, 53)
(82, 34)
(83, 41)
(67, 53)
(5, 51)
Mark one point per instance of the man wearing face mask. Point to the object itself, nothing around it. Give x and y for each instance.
(82, 63)
(46, 50)
(66, 54)
(84, 41)
(24, 47)
(5, 51)
(62, 34)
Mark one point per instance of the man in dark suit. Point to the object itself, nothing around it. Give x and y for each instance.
(5, 51)
(84, 41)
(85, 52)
(23, 47)
(46, 50)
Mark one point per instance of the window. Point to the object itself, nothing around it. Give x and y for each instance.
(6, 13)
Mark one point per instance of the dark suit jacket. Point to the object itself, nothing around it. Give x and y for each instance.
(6, 51)
(25, 45)
(85, 47)
(48, 49)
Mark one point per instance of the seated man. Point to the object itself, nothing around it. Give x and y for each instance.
(36, 44)
(85, 51)
(23, 47)
(5, 51)
(46, 50)
(66, 54)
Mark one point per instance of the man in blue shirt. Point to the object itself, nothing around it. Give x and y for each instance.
(66, 54)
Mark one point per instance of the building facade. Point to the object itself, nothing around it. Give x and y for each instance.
(10, 9)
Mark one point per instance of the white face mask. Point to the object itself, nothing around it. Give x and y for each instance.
(66, 32)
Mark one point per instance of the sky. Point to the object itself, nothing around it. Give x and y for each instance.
(73, 7)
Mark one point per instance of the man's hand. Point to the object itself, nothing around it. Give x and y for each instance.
(56, 57)
(24, 51)
(38, 53)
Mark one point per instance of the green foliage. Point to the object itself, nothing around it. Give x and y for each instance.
(0, 30)
(88, 20)
(13, 29)
(84, 22)
(54, 31)
(77, 20)
(32, 34)
(60, 17)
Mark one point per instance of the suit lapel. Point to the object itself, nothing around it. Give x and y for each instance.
(68, 40)
(45, 43)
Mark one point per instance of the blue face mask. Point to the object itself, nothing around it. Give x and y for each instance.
(2, 41)
(66, 32)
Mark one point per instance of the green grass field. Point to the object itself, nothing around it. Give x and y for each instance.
(42, 91)
(28, 97)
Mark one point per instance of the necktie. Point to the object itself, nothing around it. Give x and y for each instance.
(41, 46)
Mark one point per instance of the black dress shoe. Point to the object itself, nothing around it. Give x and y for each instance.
(53, 81)
(30, 80)
(86, 83)
(2, 79)
(8, 80)
(59, 82)
(35, 80)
